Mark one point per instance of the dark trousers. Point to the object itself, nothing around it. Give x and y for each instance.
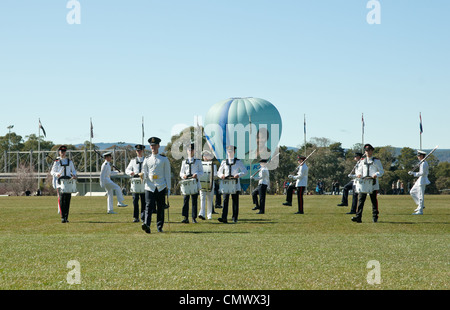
(136, 198)
(218, 195)
(362, 199)
(346, 189)
(300, 192)
(155, 199)
(185, 209)
(260, 191)
(235, 205)
(63, 203)
(289, 192)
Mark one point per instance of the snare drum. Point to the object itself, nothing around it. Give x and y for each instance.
(137, 186)
(189, 187)
(227, 186)
(68, 186)
(207, 176)
(364, 185)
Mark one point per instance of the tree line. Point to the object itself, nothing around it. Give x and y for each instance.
(330, 163)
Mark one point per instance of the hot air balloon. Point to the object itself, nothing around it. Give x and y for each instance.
(253, 125)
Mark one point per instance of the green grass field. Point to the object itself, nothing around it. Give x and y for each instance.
(320, 250)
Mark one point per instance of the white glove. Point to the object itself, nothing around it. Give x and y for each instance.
(410, 173)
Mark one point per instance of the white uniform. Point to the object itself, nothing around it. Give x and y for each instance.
(205, 195)
(65, 168)
(370, 167)
(110, 186)
(192, 166)
(302, 176)
(156, 171)
(230, 168)
(263, 176)
(418, 190)
(135, 165)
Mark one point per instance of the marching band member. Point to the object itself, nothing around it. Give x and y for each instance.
(418, 190)
(231, 168)
(109, 185)
(133, 170)
(156, 175)
(350, 185)
(264, 181)
(207, 196)
(191, 168)
(63, 168)
(369, 167)
(302, 182)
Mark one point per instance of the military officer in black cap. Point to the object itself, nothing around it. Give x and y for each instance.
(63, 168)
(133, 170)
(369, 167)
(156, 175)
(350, 185)
(191, 168)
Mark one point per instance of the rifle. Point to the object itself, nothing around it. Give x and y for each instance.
(418, 165)
(104, 158)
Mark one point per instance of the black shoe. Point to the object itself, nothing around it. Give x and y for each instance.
(145, 228)
(234, 220)
(260, 212)
(63, 220)
(185, 220)
(160, 230)
(375, 219)
(194, 220)
(356, 219)
(287, 204)
(222, 220)
(136, 220)
(201, 217)
(298, 212)
(218, 207)
(351, 212)
(343, 205)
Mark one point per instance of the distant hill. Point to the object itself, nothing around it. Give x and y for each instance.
(441, 154)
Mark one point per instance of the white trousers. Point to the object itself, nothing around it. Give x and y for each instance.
(110, 188)
(417, 193)
(206, 197)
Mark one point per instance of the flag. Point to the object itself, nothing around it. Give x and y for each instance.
(143, 135)
(304, 124)
(362, 121)
(420, 125)
(92, 130)
(41, 127)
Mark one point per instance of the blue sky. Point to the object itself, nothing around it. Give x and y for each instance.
(169, 61)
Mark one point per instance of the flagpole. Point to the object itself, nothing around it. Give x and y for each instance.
(90, 160)
(39, 152)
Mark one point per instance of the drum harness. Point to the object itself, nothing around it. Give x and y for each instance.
(367, 164)
(64, 176)
(229, 166)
